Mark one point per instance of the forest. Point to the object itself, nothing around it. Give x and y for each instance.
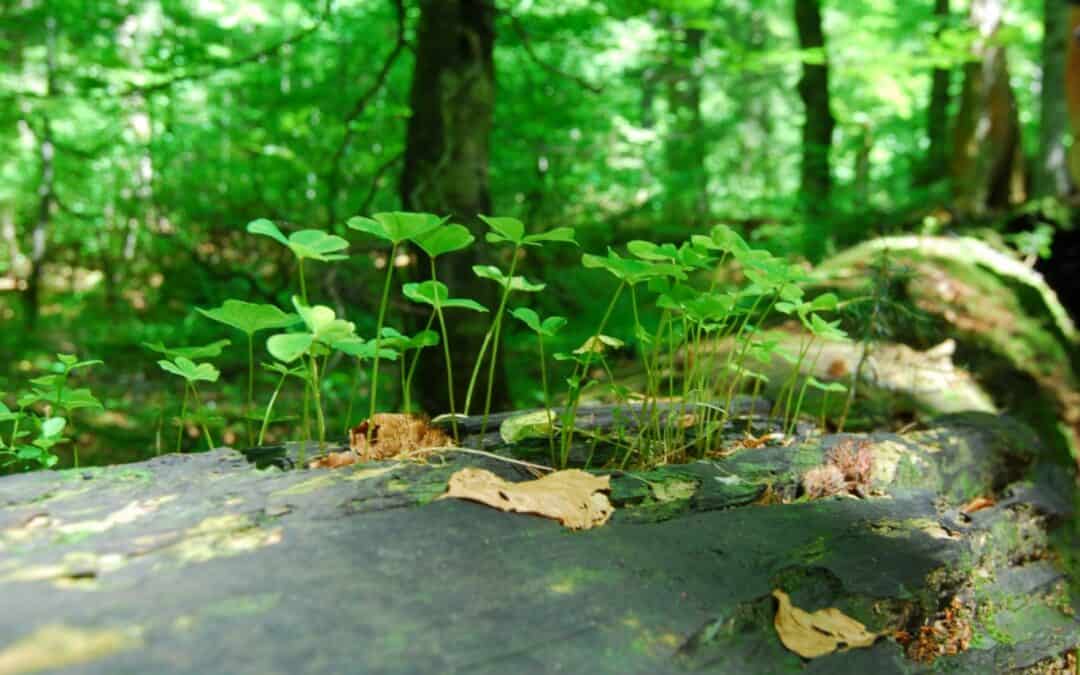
(593, 239)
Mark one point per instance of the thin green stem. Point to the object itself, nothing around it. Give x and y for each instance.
(495, 340)
(303, 281)
(378, 336)
(269, 408)
(202, 422)
(449, 369)
(415, 362)
(183, 418)
(547, 398)
(316, 388)
(251, 388)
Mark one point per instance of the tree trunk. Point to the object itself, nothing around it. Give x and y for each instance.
(687, 181)
(1072, 85)
(39, 237)
(987, 162)
(446, 162)
(1051, 177)
(816, 177)
(937, 114)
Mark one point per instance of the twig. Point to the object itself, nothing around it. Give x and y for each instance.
(481, 453)
(526, 43)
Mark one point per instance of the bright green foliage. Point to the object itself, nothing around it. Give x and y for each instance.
(398, 227)
(191, 371)
(305, 244)
(435, 293)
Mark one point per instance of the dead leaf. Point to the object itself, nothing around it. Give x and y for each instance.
(335, 460)
(978, 504)
(573, 497)
(811, 635)
(394, 434)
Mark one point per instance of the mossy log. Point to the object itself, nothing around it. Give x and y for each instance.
(203, 563)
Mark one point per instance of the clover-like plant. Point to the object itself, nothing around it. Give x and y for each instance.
(249, 318)
(324, 332)
(543, 328)
(435, 294)
(191, 373)
(35, 452)
(395, 228)
(305, 245)
(396, 342)
(285, 372)
(509, 231)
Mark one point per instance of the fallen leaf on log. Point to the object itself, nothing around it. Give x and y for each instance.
(811, 635)
(573, 497)
(978, 504)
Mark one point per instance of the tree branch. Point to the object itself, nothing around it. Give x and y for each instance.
(526, 43)
(333, 179)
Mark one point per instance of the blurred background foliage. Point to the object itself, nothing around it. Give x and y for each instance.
(139, 137)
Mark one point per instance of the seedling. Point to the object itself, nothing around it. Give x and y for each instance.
(435, 294)
(191, 373)
(512, 231)
(305, 245)
(396, 228)
(324, 333)
(545, 328)
(249, 318)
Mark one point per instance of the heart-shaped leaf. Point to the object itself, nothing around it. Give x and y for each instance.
(365, 349)
(504, 230)
(306, 244)
(548, 327)
(432, 292)
(323, 324)
(397, 226)
(191, 371)
(444, 239)
(561, 234)
(630, 270)
(394, 339)
(248, 317)
(205, 352)
(516, 284)
(288, 347)
(53, 427)
(646, 250)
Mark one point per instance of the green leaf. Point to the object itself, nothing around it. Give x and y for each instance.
(394, 339)
(444, 239)
(365, 350)
(70, 399)
(630, 270)
(598, 344)
(397, 226)
(67, 359)
(310, 244)
(548, 327)
(825, 386)
(432, 292)
(646, 250)
(248, 317)
(516, 284)
(323, 324)
(282, 369)
(53, 427)
(504, 230)
(527, 425)
(191, 371)
(288, 347)
(205, 352)
(265, 227)
(561, 234)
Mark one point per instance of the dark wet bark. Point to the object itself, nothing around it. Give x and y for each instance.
(937, 114)
(685, 148)
(1051, 167)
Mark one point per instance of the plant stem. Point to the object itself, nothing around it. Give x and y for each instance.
(183, 416)
(446, 355)
(378, 337)
(547, 398)
(251, 388)
(415, 362)
(495, 340)
(270, 407)
(303, 282)
(202, 423)
(570, 414)
(319, 420)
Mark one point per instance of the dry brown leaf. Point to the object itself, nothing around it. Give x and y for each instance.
(335, 460)
(978, 504)
(573, 497)
(811, 635)
(394, 434)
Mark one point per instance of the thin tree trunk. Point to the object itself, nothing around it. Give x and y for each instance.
(1072, 86)
(816, 176)
(447, 156)
(1051, 177)
(685, 148)
(39, 237)
(987, 160)
(937, 114)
